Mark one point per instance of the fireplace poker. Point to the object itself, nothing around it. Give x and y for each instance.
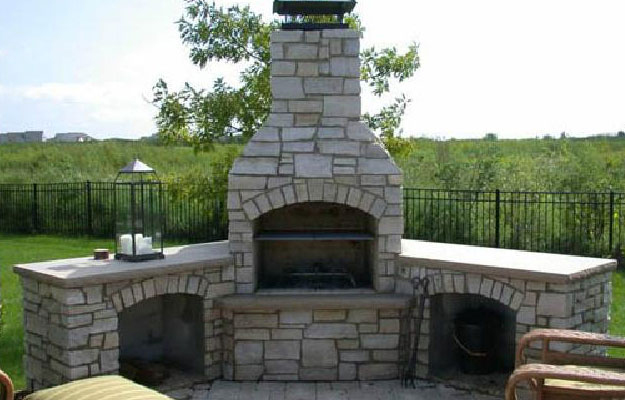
(420, 287)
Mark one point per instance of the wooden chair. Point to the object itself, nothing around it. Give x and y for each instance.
(6, 387)
(110, 387)
(561, 375)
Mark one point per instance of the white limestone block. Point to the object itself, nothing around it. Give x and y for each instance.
(313, 166)
(323, 85)
(341, 106)
(262, 149)
(345, 66)
(255, 166)
(339, 147)
(292, 134)
(286, 36)
(301, 51)
(283, 68)
(287, 88)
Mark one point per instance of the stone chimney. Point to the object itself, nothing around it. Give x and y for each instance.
(313, 148)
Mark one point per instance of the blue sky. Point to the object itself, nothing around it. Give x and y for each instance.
(520, 69)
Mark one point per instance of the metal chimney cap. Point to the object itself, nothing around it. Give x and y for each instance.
(313, 7)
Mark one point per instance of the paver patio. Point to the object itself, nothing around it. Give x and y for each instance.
(373, 390)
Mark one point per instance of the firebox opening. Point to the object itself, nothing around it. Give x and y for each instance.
(470, 335)
(162, 332)
(315, 246)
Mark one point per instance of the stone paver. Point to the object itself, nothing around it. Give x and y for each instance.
(366, 390)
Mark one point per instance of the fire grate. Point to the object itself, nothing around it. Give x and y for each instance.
(320, 276)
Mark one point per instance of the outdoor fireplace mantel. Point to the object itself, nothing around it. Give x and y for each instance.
(77, 272)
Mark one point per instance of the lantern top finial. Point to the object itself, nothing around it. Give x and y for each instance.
(136, 166)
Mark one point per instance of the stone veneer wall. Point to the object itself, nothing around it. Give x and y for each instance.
(313, 147)
(72, 333)
(312, 345)
(583, 304)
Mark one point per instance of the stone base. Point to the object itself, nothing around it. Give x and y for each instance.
(312, 337)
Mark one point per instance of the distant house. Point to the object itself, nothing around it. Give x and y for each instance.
(71, 137)
(21, 137)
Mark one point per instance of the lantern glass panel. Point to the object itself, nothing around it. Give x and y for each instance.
(139, 217)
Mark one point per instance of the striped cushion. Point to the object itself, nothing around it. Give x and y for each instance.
(98, 388)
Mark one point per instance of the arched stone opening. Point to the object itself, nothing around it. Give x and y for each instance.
(315, 245)
(470, 334)
(166, 329)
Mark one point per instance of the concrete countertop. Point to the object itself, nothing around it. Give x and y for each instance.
(516, 264)
(78, 272)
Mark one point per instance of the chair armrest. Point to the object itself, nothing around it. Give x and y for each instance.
(7, 385)
(566, 336)
(534, 374)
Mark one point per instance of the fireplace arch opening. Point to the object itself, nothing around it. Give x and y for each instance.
(162, 333)
(314, 246)
(470, 335)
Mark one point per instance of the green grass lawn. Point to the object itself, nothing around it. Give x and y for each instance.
(26, 249)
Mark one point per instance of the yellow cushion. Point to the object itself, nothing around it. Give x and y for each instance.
(99, 388)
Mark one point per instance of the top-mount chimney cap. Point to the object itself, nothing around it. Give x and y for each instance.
(313, 7)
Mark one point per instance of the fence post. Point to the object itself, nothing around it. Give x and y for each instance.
(497, 213)
(611, 240)
(89, 211)
(35, 206)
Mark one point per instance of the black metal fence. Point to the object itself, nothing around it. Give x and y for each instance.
(574, 223)
(87, 208)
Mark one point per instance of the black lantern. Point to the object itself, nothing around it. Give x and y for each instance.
(139, 217)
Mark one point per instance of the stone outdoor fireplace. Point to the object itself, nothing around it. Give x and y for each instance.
(315, 282)
(315, 194)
